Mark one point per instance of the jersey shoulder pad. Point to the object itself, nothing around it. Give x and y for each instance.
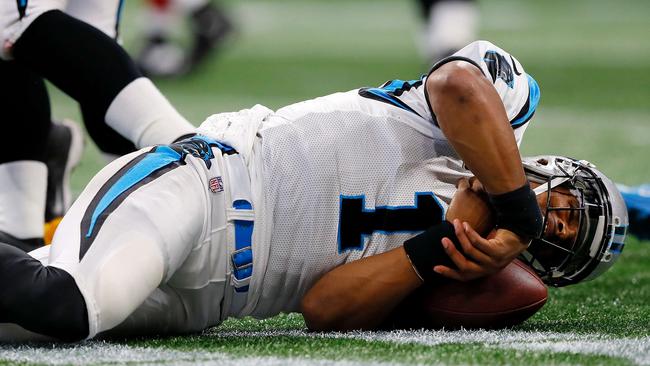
(518, 90)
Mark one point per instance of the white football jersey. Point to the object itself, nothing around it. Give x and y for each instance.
(354, 174)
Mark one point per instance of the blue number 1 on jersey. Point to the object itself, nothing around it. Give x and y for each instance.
(356, 221)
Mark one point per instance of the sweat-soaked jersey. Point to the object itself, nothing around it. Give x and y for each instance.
(354, 174)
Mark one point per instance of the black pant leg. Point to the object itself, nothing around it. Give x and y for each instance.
(26, 115)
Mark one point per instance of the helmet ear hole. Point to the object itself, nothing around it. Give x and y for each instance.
(542, 161)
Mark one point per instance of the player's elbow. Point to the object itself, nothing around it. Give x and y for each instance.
(317, 317)
(456, 81)
(455, 86)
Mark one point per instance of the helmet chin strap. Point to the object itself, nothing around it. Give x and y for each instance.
(548, 186)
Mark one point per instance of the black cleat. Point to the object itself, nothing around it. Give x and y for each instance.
(210, 26)
(164, 57)
(160, 57)
(64, 149)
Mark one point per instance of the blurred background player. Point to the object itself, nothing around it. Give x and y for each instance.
(449, 26)
(63, 153)
(163, 54)
(72, 45)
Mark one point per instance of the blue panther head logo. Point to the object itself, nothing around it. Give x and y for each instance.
(499, 67)
(197, 146)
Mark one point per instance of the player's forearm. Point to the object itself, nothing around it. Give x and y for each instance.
(359, 295)
(471, 115)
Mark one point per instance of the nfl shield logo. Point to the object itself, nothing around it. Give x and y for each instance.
(215, 185)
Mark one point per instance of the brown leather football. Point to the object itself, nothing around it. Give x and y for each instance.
(503, 299)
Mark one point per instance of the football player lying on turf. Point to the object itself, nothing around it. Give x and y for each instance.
(245, 218)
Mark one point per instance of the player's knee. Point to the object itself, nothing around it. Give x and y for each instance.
(124, 279)
(38, 16)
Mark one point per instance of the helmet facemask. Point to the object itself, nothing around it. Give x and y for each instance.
(561, 262)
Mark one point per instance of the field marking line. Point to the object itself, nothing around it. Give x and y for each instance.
(636, 350)
(101, 353)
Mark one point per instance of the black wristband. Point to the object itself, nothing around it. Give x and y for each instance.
(519, 212)
(425, 251)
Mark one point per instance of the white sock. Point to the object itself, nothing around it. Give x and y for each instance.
(452, 25)
(22, 198)
(143, 115)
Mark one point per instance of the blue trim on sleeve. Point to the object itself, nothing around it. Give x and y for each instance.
(533, 100)
(390, 91)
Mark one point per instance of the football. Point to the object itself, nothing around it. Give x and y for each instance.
(503, 299)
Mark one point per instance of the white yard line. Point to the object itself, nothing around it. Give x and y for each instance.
(98, 353)
(636, 350)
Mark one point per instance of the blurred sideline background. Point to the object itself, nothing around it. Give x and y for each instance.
(590, 57)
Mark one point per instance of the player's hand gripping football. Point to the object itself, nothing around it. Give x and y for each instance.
(470, 204)
(471, 214)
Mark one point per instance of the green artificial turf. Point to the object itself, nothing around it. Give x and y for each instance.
(592, 61)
